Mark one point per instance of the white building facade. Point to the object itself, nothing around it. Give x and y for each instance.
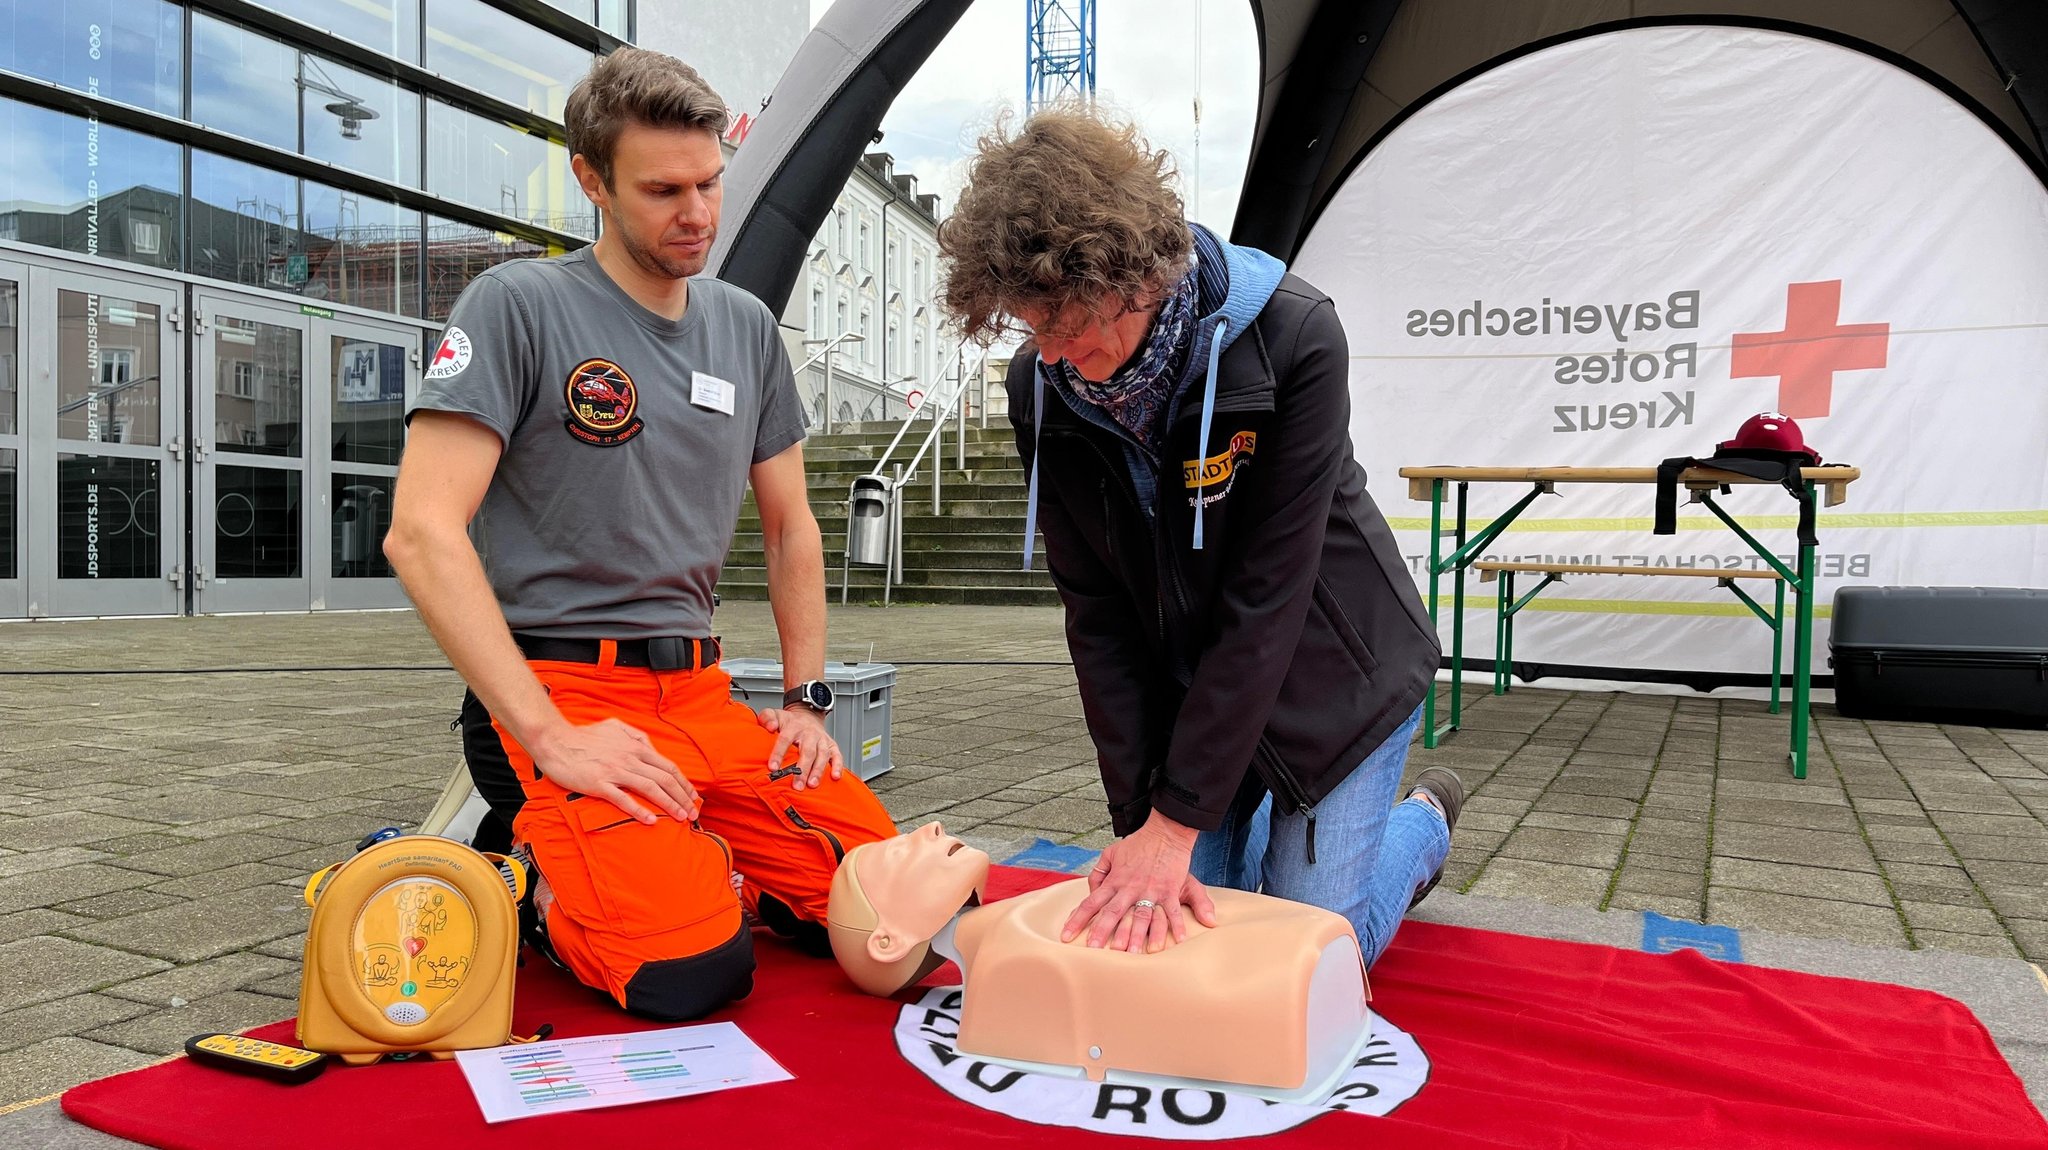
(872, 272)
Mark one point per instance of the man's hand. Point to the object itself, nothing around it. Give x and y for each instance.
(1137, 890)
(803, 729)
(615, 762)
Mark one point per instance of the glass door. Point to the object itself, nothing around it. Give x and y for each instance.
(362, 373)
(250, 515)
(13, 513)
(105, 523)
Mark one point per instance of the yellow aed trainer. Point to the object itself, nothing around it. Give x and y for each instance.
(411, 951)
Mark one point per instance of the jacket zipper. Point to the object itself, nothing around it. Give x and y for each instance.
(724, 846)
(1109, 541)
(1180, 598)
(1166, 644)
(1172, 581)
(1295, 792)
(838, 852)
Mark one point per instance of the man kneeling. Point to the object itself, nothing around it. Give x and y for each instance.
(570, 485)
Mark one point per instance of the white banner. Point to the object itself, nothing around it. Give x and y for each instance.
(1615, 250)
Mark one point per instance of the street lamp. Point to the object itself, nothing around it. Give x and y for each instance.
(347, 107)
(911, 382)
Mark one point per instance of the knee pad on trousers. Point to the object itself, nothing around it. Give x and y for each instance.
(680, 989)
(810, 937)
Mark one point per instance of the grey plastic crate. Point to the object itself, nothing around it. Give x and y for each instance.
(860, 710)
(1957, 654)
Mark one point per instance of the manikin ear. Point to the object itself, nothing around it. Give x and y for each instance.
(884, 947)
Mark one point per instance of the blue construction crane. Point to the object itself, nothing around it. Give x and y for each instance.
(1059, 51)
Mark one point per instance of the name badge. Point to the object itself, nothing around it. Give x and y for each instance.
(711, 393)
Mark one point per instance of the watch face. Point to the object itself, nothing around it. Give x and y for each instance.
(820, 695)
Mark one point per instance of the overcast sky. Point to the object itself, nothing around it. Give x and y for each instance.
(1145, 68)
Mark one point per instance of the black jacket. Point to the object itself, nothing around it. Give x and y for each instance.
(1293, 644)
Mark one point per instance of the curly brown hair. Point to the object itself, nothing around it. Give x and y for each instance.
(637, 85)
(1074, 208)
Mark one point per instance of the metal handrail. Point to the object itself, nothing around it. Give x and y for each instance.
(855, 380)
(821, 353)
(897, 440)
(825, 354)
(939, 417)
(941, 410)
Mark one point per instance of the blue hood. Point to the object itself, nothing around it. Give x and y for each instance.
(1244, 278)
(1249, 278)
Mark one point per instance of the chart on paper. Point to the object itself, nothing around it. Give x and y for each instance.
(614, 1070)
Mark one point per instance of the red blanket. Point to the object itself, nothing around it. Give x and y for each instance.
(1523, 1042)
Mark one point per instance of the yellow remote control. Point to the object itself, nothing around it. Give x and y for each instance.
(274, 1060)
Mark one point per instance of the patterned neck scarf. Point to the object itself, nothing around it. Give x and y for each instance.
(1138, 394)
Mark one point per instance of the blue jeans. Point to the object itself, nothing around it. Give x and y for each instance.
(1372, 854)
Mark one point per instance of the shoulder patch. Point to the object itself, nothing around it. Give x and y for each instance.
(452, 357)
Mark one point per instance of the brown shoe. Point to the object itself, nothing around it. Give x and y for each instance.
(1443, 785)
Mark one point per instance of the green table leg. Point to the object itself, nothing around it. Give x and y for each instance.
(1507, 655)
(1778, 647)
(1436, 535)
(1774, 620)
(1802, 629)
(1458, 619)
(1459, 559)
(1514, 609)
(1802, 655)
(1500, 631)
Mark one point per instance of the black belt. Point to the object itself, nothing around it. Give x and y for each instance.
(666, 653)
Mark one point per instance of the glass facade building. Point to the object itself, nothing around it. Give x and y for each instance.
(229, 229)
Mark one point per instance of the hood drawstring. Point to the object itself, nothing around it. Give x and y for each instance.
(1031, 491)
(1208, 415)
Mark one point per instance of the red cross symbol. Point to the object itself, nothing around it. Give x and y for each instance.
(1809, 351)
(447, 352)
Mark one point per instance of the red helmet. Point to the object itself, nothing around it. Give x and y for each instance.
(1770, 431)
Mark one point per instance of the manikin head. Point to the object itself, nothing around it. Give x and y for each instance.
(890, 897)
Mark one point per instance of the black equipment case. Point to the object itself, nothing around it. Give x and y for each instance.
(1974, 654)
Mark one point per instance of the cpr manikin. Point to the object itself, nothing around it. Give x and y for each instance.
(1271, 1001)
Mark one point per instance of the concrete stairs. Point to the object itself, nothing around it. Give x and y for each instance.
(971, 552)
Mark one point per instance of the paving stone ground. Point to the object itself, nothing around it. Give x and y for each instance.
(165, 786)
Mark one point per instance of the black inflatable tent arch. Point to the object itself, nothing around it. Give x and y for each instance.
(1335, 75)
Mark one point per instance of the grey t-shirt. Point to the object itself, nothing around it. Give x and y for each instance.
(628, 438)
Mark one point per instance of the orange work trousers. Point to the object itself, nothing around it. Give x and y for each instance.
(653, 914)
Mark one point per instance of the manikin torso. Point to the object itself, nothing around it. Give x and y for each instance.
(1273, 997)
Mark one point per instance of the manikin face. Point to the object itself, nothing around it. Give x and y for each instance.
(663, 200)
(1095, 341)
(916, 882)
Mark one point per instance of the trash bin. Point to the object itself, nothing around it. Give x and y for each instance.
(867, 522)
(359, 523)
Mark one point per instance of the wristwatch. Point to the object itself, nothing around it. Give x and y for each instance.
(815, 694)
